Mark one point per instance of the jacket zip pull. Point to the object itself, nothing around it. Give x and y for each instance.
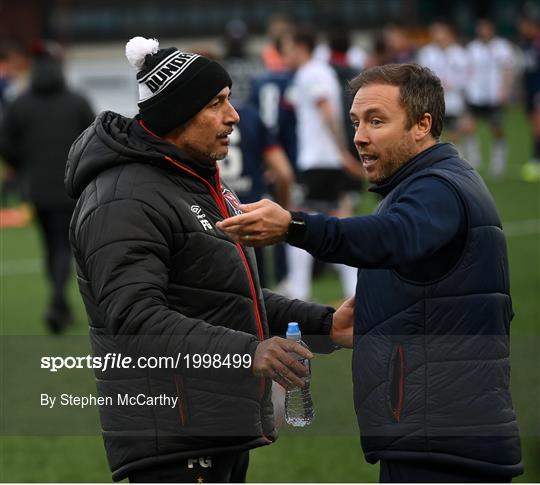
(179, 394)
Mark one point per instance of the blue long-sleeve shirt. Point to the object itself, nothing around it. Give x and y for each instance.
(421, 222)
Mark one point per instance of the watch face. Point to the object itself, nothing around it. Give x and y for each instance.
(297, 220)
(297, 229)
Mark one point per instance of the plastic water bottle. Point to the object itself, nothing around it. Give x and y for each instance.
(298, 402)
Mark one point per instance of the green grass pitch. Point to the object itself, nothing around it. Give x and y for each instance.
(329, 451)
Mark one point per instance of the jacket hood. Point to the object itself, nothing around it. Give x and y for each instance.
(47, 76)
(112, 140)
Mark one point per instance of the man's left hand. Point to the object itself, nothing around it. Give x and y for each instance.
(262, 223)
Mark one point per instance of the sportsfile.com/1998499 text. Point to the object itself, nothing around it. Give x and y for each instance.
(119, 361)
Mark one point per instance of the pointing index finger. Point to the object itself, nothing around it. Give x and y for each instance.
(240, 220)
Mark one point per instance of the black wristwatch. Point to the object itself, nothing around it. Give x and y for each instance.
(297, 228)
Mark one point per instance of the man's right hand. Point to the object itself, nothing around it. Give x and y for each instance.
(261, 223)
(273, 359)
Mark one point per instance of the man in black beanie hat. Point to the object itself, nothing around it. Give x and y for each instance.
(159, 280)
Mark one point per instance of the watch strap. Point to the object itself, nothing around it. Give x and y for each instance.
(297, 228)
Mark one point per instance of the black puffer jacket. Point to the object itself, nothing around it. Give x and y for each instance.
(158, 278)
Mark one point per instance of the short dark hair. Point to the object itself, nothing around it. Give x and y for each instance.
(305, 35)
(420, 91)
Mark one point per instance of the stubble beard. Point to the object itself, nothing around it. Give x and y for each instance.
(218, 156)
(202, 156)
(221, 155)
(394, 158)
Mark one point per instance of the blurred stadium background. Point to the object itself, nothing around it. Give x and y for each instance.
(94, 33)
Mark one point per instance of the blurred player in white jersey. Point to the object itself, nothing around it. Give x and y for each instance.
(448, 60)
(488, 91)
(322, 148)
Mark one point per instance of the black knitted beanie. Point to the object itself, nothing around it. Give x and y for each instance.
(173, 86)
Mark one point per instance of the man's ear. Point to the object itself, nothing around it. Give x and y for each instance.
(423, 127)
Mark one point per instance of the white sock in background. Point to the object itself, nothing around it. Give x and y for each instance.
(300, 266)
(471, 147)
(498, 158)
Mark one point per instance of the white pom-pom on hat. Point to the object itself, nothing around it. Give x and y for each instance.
(137, 49)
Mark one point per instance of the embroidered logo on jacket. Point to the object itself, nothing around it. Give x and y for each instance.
(201, 216)
(232, 202)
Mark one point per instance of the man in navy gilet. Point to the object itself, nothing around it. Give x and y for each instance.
(431, 367)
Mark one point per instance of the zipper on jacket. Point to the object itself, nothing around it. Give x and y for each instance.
(180, 395)
(222, 206)
(399, 382)
(246, 265)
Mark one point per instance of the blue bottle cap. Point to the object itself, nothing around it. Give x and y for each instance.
(293, 328)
